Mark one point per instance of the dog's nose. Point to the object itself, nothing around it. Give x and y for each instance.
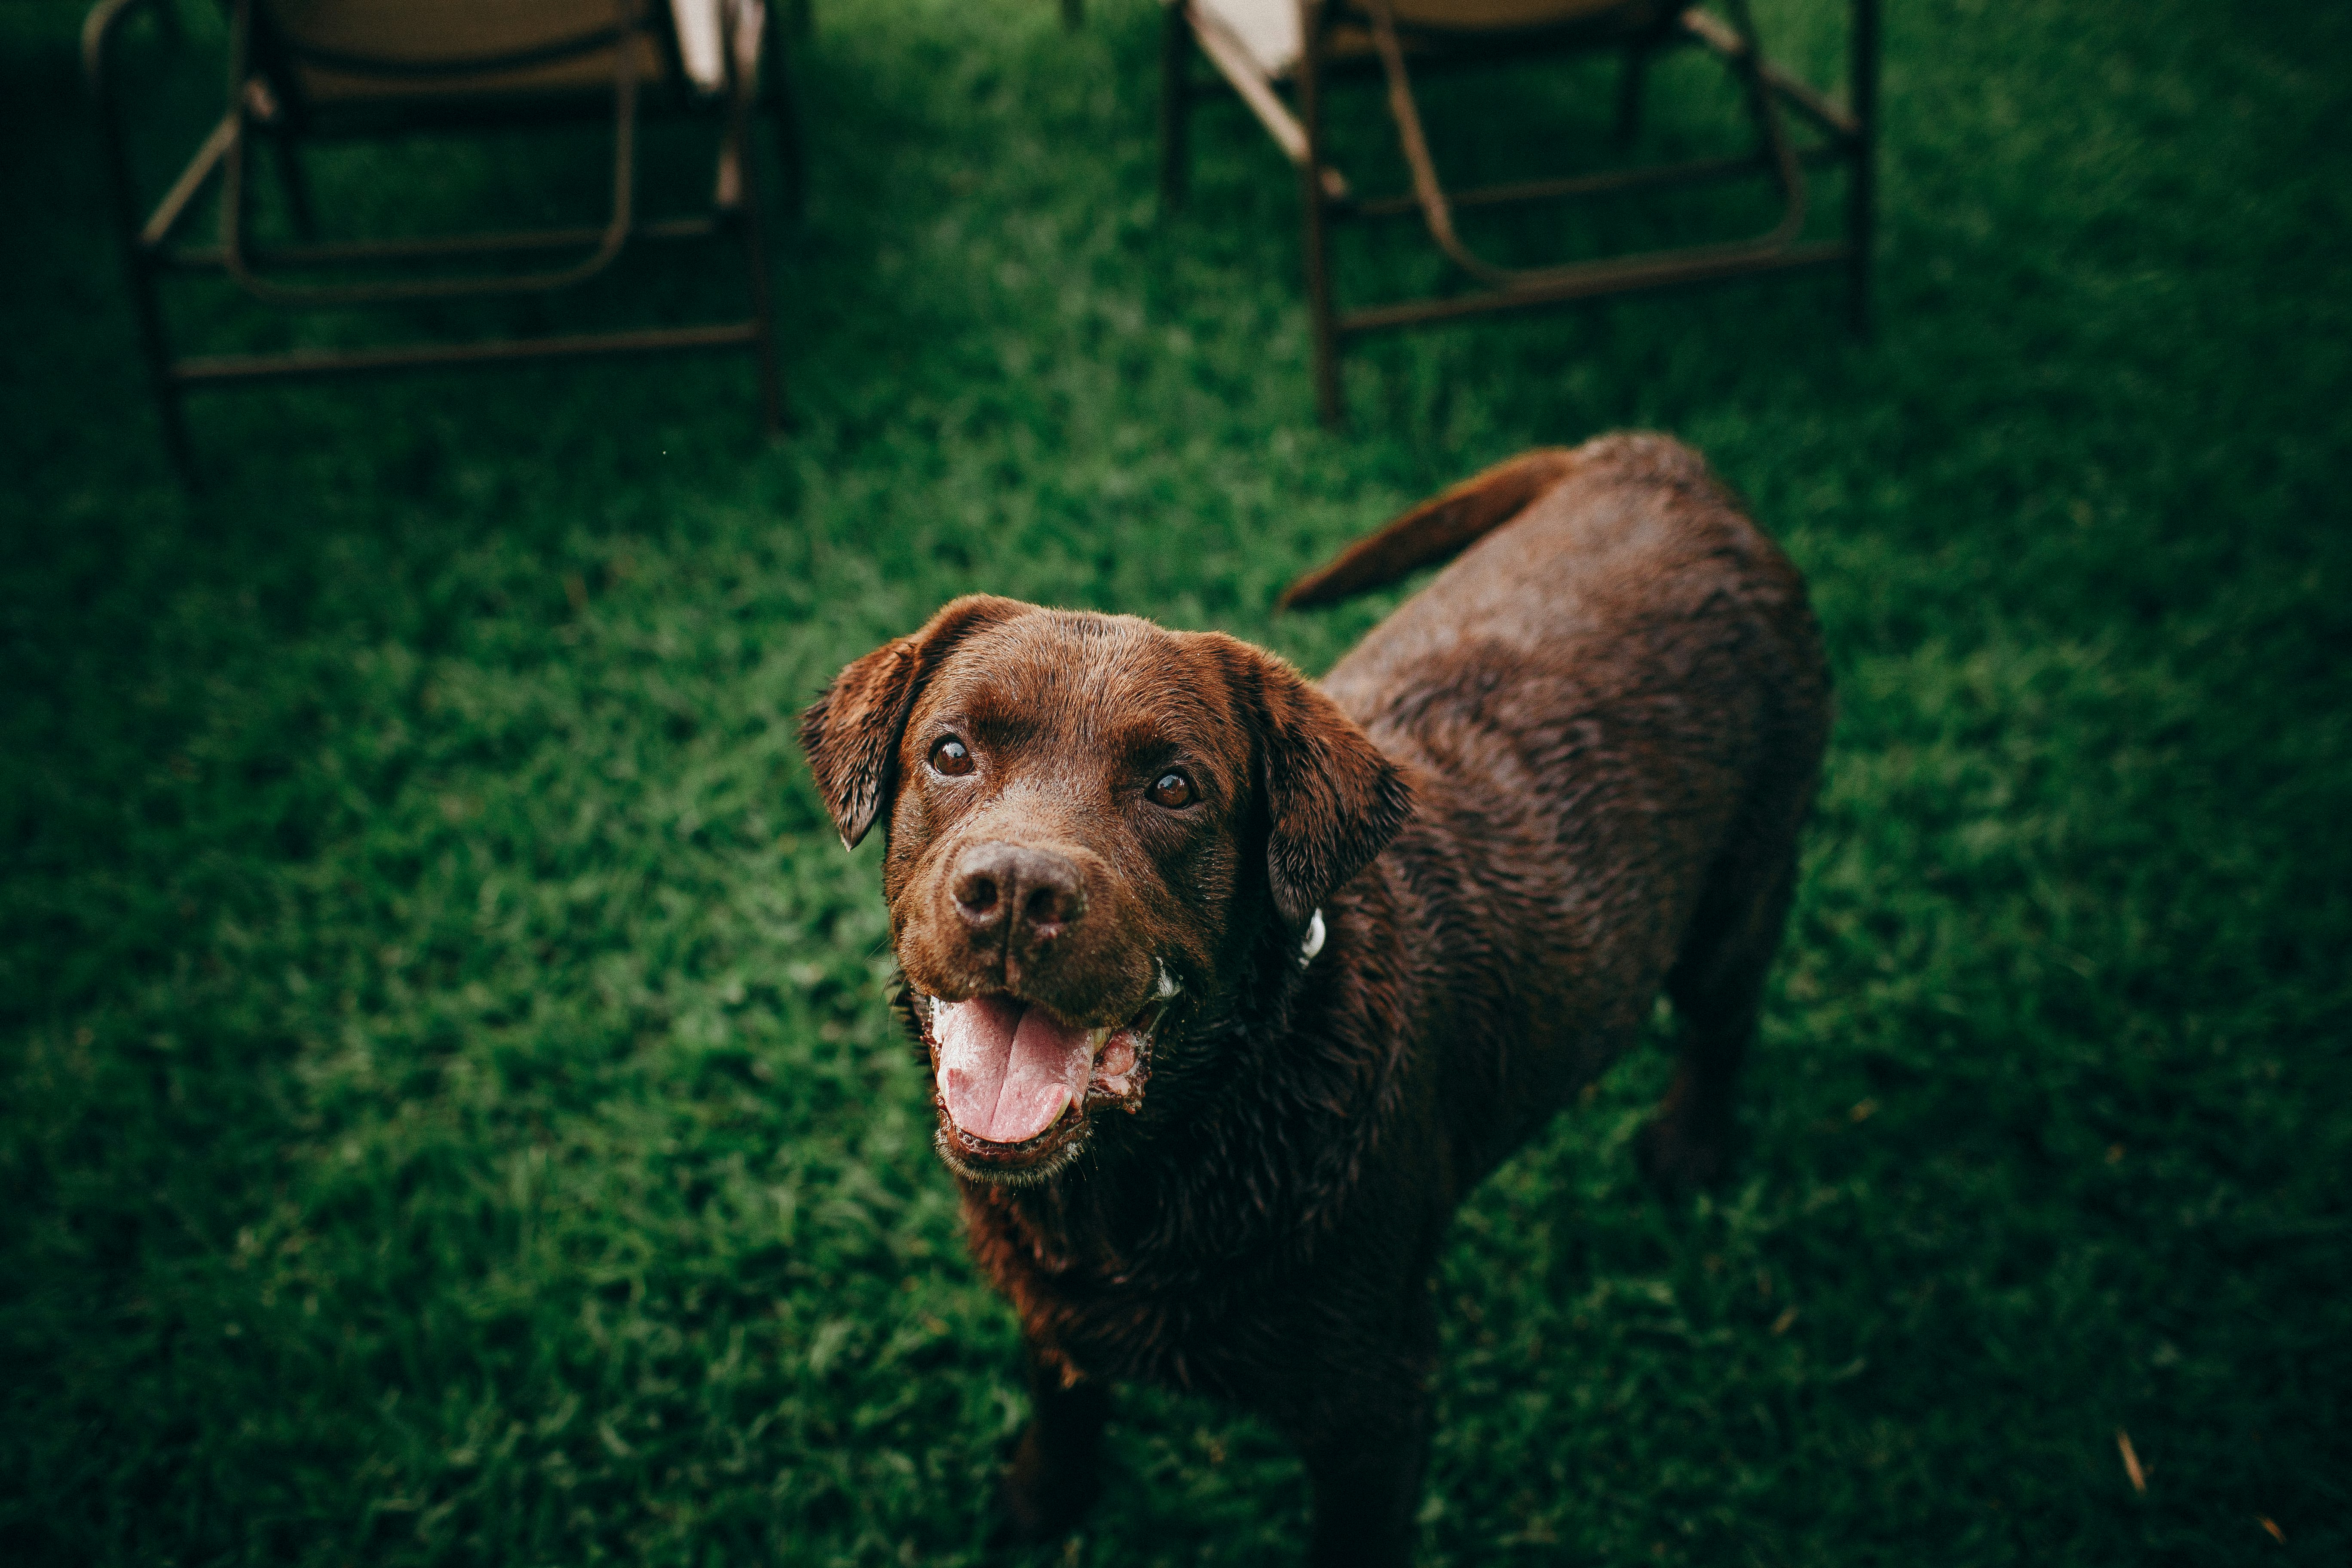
(1038, 892)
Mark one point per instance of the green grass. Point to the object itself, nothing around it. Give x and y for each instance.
(449, 1109)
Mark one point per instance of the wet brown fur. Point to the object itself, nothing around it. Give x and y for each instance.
(1609, 715)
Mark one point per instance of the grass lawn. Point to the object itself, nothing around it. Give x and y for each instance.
(447, 1108)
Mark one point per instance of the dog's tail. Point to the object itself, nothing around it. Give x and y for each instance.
(1438, 528)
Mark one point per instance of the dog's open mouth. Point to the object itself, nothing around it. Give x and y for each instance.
(1014, 1084)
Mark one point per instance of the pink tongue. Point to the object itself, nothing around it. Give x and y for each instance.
(1007, 1070)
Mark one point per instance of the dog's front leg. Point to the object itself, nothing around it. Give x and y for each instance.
(1365, 1439)
(1366, 1474)
(1052, 1479)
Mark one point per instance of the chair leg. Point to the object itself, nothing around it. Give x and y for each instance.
(101, 35)
(1328, 403)
(1175, 107)
(1862, 191)
(752, 215)
(147, 311)
(784, 109)
(297, 186)
(1630, 83)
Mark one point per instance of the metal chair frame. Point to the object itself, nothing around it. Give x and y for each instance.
(264, 102)
(1396, 53)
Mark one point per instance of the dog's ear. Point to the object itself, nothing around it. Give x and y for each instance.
(851, 733)
(1332, 800)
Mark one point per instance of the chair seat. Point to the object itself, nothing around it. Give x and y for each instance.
(1519, 15)
(1267, 31)
(581, 74)
(347, 51)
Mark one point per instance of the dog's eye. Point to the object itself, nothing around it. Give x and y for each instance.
(951, 757)
(1172, 791)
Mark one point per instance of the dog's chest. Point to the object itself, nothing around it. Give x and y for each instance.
(1133, 1312)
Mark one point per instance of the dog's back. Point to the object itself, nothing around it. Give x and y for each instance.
(1612, 707)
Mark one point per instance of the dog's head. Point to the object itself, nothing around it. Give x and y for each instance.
(1091, 822)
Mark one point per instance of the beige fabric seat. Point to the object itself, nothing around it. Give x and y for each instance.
(345, 49)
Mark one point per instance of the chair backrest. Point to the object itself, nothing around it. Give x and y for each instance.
(346, 50)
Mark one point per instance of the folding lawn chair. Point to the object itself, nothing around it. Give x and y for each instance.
(303, 71)
(1267, 48)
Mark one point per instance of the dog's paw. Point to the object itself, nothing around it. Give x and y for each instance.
(1676, 1158)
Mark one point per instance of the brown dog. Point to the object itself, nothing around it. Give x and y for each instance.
(1232, 986)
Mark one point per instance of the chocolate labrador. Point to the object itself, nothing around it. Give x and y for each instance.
(1233, 983)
